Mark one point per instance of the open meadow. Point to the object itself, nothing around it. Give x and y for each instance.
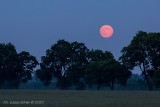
(55, 98)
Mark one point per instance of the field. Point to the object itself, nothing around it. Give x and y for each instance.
(31, 98)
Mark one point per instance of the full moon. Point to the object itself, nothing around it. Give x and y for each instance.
(106, 31)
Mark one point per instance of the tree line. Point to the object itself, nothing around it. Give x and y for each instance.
(73, 64)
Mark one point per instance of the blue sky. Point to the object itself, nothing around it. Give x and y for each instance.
(34, 25)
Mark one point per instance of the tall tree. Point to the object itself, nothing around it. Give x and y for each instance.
(8, 63)
(153, 48)
(56, 63)
(65, 61)
(143, 51)
(93, 70)
(15, 68)
(27, 64)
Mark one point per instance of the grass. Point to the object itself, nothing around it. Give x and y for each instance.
(72, 98)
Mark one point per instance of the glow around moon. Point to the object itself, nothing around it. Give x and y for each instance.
(106, 31)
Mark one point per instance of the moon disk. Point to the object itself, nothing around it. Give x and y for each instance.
(106, 31)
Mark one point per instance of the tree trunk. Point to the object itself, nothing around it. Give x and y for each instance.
(148, 82)
(112, 85)
(147, 79)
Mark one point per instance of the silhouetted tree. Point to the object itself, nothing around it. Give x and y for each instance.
(94, 74)
(93, 71)
(144, 52)
(8, 63)
(77, 65)
(15, 68)
(71, 63)
(66, 62)
(27, 64)
(106, 72)
(123, 74)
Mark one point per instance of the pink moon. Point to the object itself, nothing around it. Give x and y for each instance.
(106, 31)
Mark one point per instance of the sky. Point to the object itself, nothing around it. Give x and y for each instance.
(35, 25)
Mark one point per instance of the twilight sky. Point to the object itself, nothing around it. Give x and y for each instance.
(34, 25)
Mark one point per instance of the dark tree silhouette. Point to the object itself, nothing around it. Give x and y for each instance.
(66, 62)
(8, 63)
(144, 52)
(15, 68)
(73, 64)
(77, 65)
(27, 63)
(106, 72)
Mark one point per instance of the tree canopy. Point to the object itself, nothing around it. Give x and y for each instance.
(65, 61)
(15, 67)
(144, 52)
(73, 64)
(106, 73)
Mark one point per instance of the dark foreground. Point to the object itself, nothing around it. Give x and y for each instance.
(31, 98)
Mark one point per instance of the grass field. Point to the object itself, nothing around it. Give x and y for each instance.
(31, 98)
